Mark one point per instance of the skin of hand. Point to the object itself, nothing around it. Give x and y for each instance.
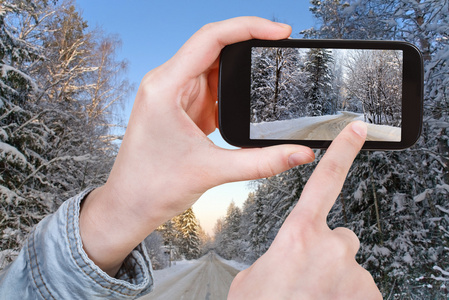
(308, 260)
(166, 161)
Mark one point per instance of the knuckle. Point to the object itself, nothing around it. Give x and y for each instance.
(346, 243)
(208, 27)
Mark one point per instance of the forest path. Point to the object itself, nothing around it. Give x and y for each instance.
(208, 278)
(327, 130)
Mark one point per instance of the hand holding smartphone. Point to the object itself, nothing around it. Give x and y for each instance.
(306, 91)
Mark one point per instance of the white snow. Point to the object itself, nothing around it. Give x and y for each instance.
(407, 258)
(6, 69)
(443, 186)
(446, 273)
(235, 264)
(205, 278)
(446, 211)
(3, 133)
(422, 196)
(321, 128)
(11, 153)
(381, 251)
(8, 196)
(160, 276)
(276, 129)
(384, 133)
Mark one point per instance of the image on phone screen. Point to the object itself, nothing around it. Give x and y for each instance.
(313, 93)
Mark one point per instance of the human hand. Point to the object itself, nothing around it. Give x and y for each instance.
(307, 260)
(166, 161)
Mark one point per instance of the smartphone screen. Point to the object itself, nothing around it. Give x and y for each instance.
(306, 91)
(313, 93)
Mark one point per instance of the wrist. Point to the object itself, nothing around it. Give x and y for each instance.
(107, 235)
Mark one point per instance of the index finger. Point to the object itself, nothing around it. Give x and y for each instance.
(326, 182)
(204, 47)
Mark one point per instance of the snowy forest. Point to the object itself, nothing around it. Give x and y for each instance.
(299, 84)
(62, 90)
(396, 202)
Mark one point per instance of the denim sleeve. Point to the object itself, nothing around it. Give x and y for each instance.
(53, 265)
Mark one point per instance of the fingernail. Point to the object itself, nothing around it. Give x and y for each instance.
(360, 128)
(299, 158)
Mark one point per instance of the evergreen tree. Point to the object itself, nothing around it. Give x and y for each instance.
(397, 202)
(228, 239)
(53, 141)
(158, 256)
(190, 244)
(24, 138)
(374, 78)
(276, 84)
(319, 93)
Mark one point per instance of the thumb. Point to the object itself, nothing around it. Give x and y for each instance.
(256, 163)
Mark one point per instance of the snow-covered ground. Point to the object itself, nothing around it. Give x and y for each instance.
(285, 128)
(235, 264)
(320, 128)
(206, 278)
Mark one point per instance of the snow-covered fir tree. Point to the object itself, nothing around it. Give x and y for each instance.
(51, 145)
(227, 235)
(159, 255)
(319, 93)
(374, 79)
(396, 202)
(276, 84)
(189, 243)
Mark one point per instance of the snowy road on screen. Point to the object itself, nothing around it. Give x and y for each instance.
(206, 278)
(320, 128)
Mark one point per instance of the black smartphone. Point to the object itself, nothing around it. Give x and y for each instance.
(306, 91)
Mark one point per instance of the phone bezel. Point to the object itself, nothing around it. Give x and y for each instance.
(235, 84)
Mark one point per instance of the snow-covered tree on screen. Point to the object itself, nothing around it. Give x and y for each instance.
(277, 83)
(374, 78)
(319, 92)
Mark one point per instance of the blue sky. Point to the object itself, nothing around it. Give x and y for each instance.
(152, 32)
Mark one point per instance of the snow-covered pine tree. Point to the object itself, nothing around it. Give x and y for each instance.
(269, 206)
(171, 237)
(397, 202)
(374, 78)
(319, 93)
(276, 84)
(190, 244)
(51, 148)
(155, 245)
(246, 253)
(228, 239)
(23, 138)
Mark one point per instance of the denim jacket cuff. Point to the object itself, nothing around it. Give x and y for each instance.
(61, 267)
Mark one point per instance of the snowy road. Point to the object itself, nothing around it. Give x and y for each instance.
(327, 130)
(320, 128)
(207, 278)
